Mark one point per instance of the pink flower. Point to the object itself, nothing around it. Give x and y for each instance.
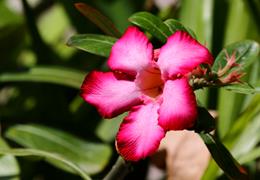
(151, 84)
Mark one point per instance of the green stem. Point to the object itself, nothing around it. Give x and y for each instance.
(120, 169)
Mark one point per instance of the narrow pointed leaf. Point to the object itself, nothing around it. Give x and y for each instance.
(250, 156)
(243, 89)
(223, 157)
(90, 157)
(205, 122)
(151, 24)
(248, 138)
(47, 156)
(175, 25)
(246, 52)
(96, 44)
(104, 23)
(55, 75)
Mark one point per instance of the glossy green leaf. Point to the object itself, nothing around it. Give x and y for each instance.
(205, 122)
(223, 157)
(98, 19)
(8, 164)
(48, 156)
(175, 25)
(246, 52)
(90, 157)
(243, 89)
(55, 75)
(151, 24)
(93, 43)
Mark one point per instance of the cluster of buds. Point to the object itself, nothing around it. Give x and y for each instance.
(227, 74)
(204, 76)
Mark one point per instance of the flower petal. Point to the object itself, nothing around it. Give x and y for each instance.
(131, 52)
(178, 110)
(181, 54)
(110, 95)
(139, 135)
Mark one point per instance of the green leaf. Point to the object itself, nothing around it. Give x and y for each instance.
(151, 24)
(233, 32)
(47, 156)
(98, 19)
(205, 122)
(246, 52)
(108, 128)
(249, 136)
(175, 25)
(250, 156)
(8, 164)
(55, 75)
(90, 157)
(243, 88)
(244, 119)
(223, 157)
(93, 43)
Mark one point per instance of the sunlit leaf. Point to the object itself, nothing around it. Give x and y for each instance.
(245, 51)
(8, 164)
(89, 157)
(248, 138)
(175, 25)
(93, 43)
(55, 75)
(99, 19)
(223, 157)
(244, 120)
(151, 24)
(48, 157)
(250, 156)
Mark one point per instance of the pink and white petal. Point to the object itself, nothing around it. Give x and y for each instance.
(181, 54)
(178, 110)
(131, 52)
(110, 95)
(139, 134)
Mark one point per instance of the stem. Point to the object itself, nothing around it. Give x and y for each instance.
(120, 169)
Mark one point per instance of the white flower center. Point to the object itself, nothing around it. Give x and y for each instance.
(149, 81)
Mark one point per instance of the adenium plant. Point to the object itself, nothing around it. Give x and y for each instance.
(156, 86)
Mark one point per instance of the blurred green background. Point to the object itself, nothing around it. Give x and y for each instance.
(40, 77)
